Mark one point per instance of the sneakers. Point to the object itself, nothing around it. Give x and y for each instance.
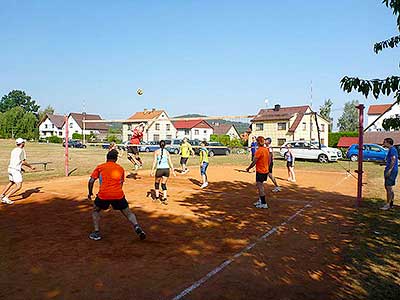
(186, 171)
(95, 235)
(262, 205)
(164, 201)
(205, 184)
(276, 189)
(139, 231)
(386, 206)
(257, 203)
(5, 200)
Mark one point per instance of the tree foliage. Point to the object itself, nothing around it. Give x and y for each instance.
(349, 119)
(334, 137)
(392, 123)
(18, 123)
(48, 110)
(325, 111)
(17, 98)
(377, 87)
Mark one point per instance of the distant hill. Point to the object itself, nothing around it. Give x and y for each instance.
(240, 126)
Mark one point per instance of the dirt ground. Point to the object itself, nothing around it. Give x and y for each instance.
(46, 254)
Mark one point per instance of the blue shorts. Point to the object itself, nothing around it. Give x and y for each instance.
(203, 168)
(391, 180)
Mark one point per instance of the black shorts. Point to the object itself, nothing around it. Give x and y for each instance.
(162, 173)
(271, 167)
(184, 160)
(116, 204)
(261, 177)
(289, 164)
(133, 149)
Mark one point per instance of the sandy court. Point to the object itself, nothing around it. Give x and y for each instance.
(46, 254)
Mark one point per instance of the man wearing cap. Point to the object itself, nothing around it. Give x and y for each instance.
(17, 160)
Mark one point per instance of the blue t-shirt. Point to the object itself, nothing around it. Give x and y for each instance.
(253, 147)
(392, 152)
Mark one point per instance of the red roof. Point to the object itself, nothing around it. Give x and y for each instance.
(347, 141)
(191, 124)
(378, 109)
(78, 117)
(146, 114)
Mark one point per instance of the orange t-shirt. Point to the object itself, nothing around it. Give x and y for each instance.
(111, 176)
(262, 164)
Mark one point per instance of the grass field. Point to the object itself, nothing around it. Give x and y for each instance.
(328, 251)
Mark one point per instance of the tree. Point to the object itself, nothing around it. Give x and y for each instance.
(18, 98)
(42, 113)
(18, 123)
(392, 123)
(388, 86)
(325, 111)
(349, 119)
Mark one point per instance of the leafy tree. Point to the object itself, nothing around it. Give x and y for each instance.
(392, 123)
(47, 110)
(223, 139)
(18, 123)
(325, 111)
(18, 98)
(377, 87)
(349, 119)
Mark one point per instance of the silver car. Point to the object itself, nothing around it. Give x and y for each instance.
(310, 151)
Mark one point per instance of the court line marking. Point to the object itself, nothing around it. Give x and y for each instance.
(227, 262)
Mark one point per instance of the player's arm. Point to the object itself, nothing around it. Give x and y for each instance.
(391, 166)
(90, 187)
(253, 163)
(25, 163)
(191, 150)
(154, 163)
(171, 165)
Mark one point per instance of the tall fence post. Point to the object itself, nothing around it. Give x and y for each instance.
(66, 147)
(360, 171)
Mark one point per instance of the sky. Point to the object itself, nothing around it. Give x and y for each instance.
(207, 57)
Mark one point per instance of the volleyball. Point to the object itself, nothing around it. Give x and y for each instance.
(139, 92)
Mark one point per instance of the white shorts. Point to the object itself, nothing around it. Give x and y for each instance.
(15, 175)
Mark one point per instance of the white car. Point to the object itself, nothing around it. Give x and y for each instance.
(311, 151)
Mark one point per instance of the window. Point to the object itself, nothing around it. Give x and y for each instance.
(196, 132)
(301, 139)
(322, 127)
(45, 125)
(60, 133)
(156, 137)
(375, 148)
(205, 131)
(71, 125)
(304, 126)
(281, 142)
(168, 127)
(157, 126)
(259, 126)
(52, 125)
(187, 132)
(323, 141)
(281, 126)
(169, 137)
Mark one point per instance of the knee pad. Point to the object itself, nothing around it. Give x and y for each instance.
(157, 185)
(164, 186)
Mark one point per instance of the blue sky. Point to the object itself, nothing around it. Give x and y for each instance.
(210, 57)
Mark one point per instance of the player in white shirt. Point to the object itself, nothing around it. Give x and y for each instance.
(17, 160)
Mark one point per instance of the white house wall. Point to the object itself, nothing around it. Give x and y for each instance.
(395, 111)
(47, 129)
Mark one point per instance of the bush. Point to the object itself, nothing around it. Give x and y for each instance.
(223, 139)
(54, 139)
(113, 138)
(334, 137)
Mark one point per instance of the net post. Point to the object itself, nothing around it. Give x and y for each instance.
(360, 108)
(66, 147)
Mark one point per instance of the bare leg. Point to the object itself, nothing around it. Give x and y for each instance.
(158, 180)
(17, 187)
(6, 188)
(389, 194)
(272, 177)
(96, 217)
(164, 181)
(292, 173)
(204, 178)
(130, 216)
(289, 173)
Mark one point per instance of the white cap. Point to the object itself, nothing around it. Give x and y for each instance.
(19, 141)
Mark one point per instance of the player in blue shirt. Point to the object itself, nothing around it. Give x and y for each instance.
(391, 171)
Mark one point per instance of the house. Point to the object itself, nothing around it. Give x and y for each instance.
(52, 125)
(158, 126)
(226, 129)
(374, 111)
(284, 124)
(193, 130)
(76, 125)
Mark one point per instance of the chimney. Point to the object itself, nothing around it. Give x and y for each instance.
(145, 111)
(153, 109)
(277, 107)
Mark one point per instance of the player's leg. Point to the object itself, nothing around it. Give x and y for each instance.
(6, 189)
(97, 207)
(203, 172)
(16, 178)
(261, 193)
(130, 216)
(293, 175)
(164, 181)
(157, 185)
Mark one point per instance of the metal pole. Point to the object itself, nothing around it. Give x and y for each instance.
(360, 153)
(66, 146)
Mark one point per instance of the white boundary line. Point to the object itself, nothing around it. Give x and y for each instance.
(237, 255)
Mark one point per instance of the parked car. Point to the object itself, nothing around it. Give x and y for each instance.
(149, 147)
(74, 144)
(371, 152)
(309, 151)
(339, 153)
(214, 148)
(174, 146)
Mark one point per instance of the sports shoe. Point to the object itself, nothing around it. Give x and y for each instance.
(391, 204)
(257, 203)
(164, 201)
(386, 206)
(205, 184)
(276, 189)
(5, 200)
(95, 235)
(262, 205)
(139, 231)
